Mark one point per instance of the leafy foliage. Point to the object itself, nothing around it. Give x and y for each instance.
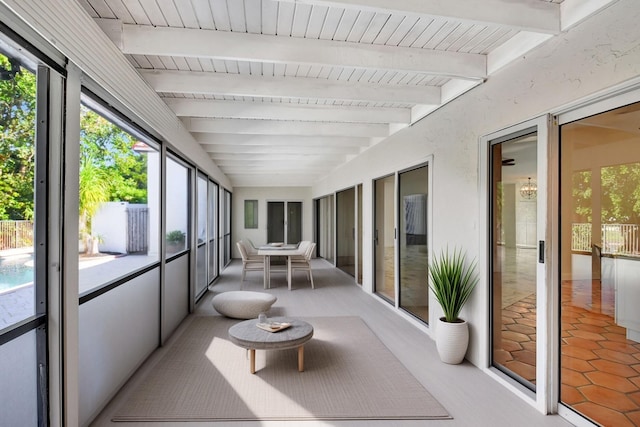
(94, 190)
(175, 236)
(619, 194)
(106, 147)
(17, 141)
(452, 281)
(110, 170)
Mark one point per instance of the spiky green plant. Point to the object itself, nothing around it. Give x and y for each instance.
(452, 281)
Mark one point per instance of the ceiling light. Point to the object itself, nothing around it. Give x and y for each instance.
(529, 190)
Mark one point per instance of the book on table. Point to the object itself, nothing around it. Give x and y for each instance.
(273, 326)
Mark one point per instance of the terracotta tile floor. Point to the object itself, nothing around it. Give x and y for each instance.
(600, 368)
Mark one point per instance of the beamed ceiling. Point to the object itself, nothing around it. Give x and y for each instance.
(282, 92)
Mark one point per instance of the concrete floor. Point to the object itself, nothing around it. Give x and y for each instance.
(472, 397)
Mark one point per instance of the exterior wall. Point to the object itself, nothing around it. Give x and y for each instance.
(110, 225)
(586, 60)
(263, 195)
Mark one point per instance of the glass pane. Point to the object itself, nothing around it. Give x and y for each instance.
(324, 232)
(227, 227)
(201, 253)
(600, 266)
(359, 246)
(384, 238)
(17, 166)
(513, 258)
(119, 200)
(345, 231)
(201, 270)
(213, 230)
(275, 222)
(414, 288)
(177, 215)
(294, 222)
(202, 210)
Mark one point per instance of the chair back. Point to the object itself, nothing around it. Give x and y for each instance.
(249, 247)
(303, 246)
(309, 254)
(243, 251)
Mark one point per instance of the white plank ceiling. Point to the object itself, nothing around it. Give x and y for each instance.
(282, 92)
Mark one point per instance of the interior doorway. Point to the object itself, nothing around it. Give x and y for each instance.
(284, 222)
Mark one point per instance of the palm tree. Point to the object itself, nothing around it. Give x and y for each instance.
(94, 190)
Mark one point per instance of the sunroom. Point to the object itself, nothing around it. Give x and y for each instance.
(142, 140)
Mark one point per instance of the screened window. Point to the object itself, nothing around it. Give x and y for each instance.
(201, 251)
(119, 198)
(177, 214)
(213, 230)
(23, 222)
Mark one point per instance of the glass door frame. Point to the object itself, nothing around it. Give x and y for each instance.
(399, 234)
(375, 239)
(547, 336)
(338, 238)
(617, 97)
(285, 204)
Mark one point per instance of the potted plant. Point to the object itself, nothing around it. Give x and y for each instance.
(452, 282)
(175, 241)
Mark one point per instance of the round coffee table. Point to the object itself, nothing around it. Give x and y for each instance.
(247, 335)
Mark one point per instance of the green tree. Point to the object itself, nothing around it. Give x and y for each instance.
(110, 170)
(17, 140)
(621, 194)
(582, 193)
(109, 148)
(94, 190)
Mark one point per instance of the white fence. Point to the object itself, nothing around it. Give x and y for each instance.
(620, 239)
(16, 234)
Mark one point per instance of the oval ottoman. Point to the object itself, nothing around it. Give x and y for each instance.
(242, 304)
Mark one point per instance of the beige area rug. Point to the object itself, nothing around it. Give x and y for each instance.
(349, 374)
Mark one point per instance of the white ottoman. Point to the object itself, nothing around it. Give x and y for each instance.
(242, 304)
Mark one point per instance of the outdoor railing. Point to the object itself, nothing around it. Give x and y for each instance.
(16, 234)
(619, 239)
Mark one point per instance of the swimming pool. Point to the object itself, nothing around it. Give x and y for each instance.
(15, 271)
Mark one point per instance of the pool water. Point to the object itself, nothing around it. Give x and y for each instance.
(15, 271)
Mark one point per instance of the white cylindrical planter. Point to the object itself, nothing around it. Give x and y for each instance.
(452, 340)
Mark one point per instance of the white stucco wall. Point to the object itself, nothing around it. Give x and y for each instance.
(110, 225)
(591, 57)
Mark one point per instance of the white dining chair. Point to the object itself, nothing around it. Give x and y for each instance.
(304, 263)
(249, 263)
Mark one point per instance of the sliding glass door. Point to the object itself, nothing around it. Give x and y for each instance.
(384, 238)
(324, 235)
(517, 257)
(284, 222)
(359, 236)
(600, 266)
(345, 231)
(412, 246)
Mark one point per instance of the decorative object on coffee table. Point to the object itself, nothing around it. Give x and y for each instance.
(248, 335)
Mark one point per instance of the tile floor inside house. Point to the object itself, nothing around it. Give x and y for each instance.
(600, 367)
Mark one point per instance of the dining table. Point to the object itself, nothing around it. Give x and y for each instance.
(269, 250)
